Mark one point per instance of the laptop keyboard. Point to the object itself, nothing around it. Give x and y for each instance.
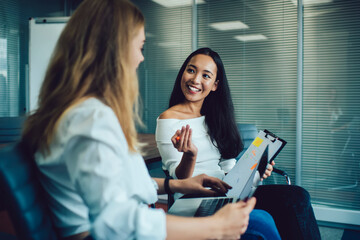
(210, 206)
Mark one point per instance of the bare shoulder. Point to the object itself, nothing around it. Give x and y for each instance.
(177, 112)
(171, 113)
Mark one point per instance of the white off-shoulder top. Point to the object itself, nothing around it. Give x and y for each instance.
(208, 160)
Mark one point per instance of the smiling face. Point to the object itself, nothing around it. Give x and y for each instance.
(199, 78)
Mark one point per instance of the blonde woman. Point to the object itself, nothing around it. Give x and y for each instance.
(84, 141)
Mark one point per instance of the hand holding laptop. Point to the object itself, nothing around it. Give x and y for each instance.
(235, 217)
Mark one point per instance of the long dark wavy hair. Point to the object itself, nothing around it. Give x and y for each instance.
(217, 108)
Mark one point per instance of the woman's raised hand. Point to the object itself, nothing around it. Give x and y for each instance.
(182, 141)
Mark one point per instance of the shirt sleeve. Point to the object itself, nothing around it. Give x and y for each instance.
(227, 164)
(98, 164)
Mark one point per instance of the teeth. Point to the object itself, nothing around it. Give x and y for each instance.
(194, 89)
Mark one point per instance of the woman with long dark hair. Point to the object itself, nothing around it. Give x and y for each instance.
(201, 99)
(201, 114)
(198, 134)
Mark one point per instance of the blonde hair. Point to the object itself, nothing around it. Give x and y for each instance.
(91, 59)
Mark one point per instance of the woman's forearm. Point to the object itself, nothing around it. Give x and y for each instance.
(183, 228)
(186, 167)
(174, 185)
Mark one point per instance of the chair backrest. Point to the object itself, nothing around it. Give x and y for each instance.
(248, 133)
(10, 129)
(23, 195)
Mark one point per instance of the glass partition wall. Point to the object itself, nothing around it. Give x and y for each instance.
(331, 108)
(258, 41)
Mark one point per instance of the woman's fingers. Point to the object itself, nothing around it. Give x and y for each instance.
(178, 139)
(268, 171)
(202, 182)
(182, 135)
(216, 185)
(181, 140)
(250, 204)
(235, 218)
(186, 137)
(189, 142)
(220, 186)
(175, 138)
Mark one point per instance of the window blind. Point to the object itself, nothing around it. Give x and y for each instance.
(331, 114)
(262, 72)
(10, 82)
(168, 43)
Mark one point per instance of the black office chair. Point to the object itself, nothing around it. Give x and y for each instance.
(23, 196)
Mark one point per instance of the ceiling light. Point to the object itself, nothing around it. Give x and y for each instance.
(250, 37)
(311, 2)
(230, 25)
(177, 3)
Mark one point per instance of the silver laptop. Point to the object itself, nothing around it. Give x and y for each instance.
(241, 178)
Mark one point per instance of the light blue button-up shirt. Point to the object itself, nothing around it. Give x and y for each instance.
(95, 183)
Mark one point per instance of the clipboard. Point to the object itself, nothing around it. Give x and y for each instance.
(242, 177)
(244, 174)
(275, 143)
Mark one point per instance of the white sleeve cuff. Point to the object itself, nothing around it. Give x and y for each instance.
(227, 164)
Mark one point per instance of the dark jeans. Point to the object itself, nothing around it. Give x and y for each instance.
(291, 209)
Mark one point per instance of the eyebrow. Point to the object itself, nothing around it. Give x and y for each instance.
(191, 65)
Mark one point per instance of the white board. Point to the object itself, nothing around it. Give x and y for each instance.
(44, 33)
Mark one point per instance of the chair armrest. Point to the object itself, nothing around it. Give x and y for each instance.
(283, 173)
